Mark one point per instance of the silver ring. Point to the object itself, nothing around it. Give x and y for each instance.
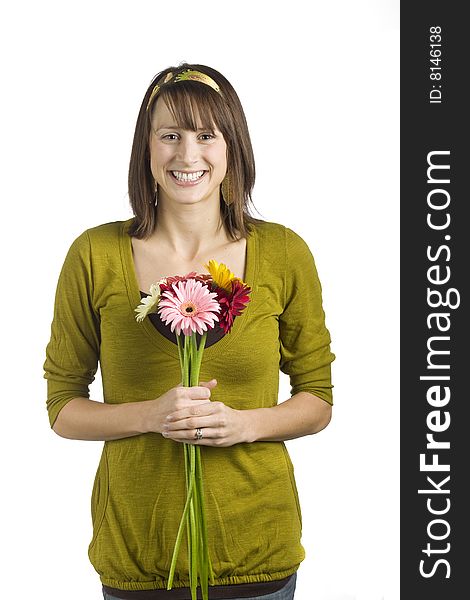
(198, 434)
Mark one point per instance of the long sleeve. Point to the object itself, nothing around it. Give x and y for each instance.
(305, 340)
(73, 350)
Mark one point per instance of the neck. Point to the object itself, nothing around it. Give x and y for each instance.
(188, 229)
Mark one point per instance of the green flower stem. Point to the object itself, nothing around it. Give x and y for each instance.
(178, 537)
(181, 355)
(187, 362)
(205, 562)
(186, 448)
(183, 351)
(193, 513)
(197, 366)
(194, 532)
(199, 490)
(203, 554)
(190, 550)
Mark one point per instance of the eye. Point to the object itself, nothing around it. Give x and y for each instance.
(206, 137)
(170, 136)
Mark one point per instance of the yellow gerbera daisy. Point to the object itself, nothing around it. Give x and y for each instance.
(221, 274)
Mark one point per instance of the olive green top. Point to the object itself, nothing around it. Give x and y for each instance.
(254, 520)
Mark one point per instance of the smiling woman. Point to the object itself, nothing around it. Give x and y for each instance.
(206, 106)
(191, 176)
(187, 166)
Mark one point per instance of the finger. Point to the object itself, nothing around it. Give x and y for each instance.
(210, 436)
(189, 425)
(194, 442)
(198, 408)
(209, 384)
(189, 402)
(198, 392)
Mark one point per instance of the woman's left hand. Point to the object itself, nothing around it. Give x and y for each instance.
(220, 425)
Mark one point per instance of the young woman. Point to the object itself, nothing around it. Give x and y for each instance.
(190, 181)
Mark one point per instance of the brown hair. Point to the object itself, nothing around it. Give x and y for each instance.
(187, 100)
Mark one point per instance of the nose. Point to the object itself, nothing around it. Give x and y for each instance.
(188, 149)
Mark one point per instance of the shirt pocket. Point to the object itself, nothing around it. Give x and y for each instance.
(99, 496)
(290, 469)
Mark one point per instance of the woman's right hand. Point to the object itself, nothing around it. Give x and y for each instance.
(177, 398)
(85, 419)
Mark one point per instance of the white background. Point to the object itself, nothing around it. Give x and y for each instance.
(319, 84)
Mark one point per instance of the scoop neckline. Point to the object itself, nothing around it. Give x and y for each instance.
(152, 333)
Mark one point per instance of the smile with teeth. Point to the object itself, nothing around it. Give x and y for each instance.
(184, 176)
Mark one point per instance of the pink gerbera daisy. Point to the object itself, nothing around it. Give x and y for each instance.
(189, 306)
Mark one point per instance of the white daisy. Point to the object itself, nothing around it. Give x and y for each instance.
(149, 304)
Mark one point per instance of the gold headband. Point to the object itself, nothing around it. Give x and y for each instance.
(187, 75)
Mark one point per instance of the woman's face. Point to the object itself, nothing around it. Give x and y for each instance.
(188, 166)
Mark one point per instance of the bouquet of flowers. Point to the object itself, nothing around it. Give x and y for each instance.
(193, 304)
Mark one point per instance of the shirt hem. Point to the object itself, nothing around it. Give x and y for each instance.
(231, 580)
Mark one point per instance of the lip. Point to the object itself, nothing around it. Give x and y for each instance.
(187, 183)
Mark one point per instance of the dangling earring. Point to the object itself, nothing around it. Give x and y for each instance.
(156, 195)
(226, 189)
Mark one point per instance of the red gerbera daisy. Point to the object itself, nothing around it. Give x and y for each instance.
(167, 282)
(233, 303)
